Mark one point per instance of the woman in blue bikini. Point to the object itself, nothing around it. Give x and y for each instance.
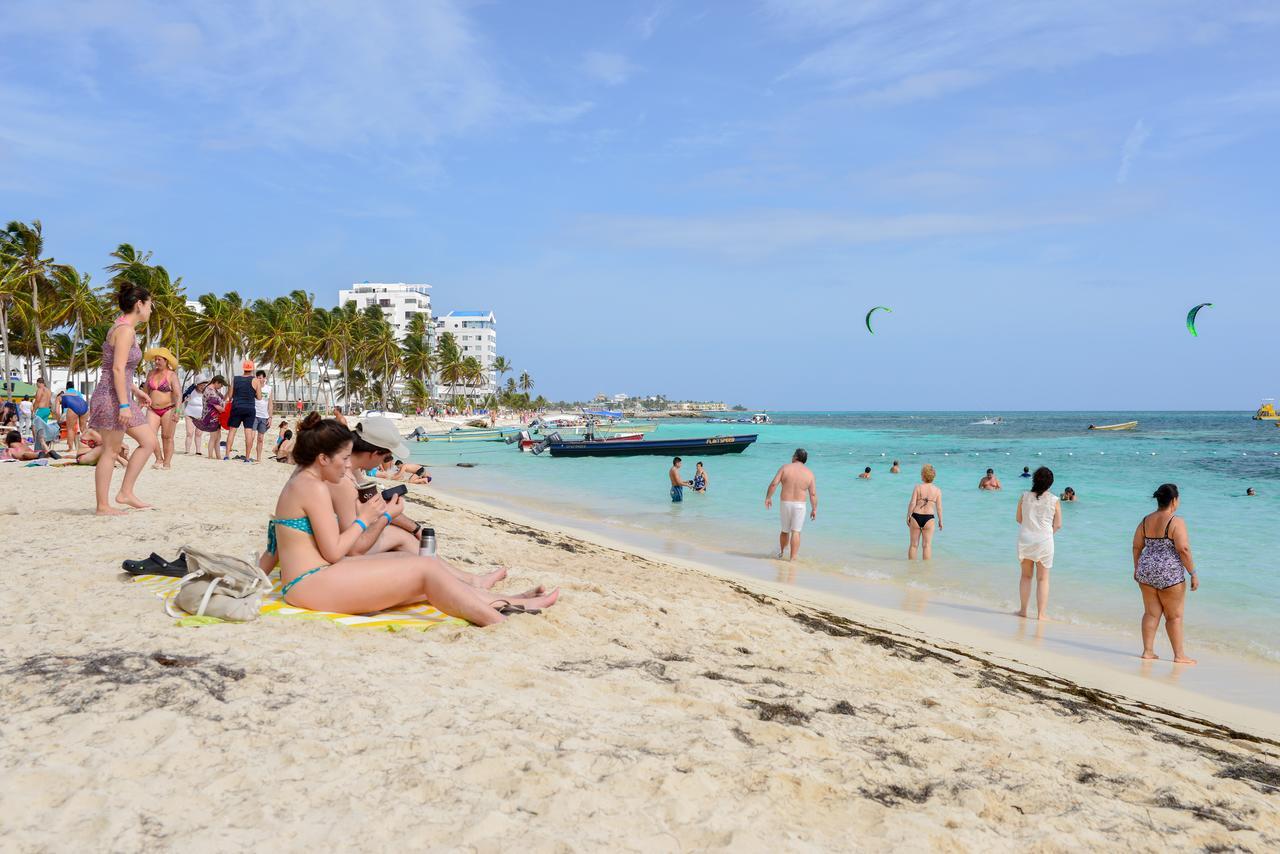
(314, 566)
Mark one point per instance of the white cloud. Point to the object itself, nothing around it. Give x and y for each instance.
(769, 232)
(317, 73)
(647, 25)
(901, 50)
(1131, 149)
(609, 68)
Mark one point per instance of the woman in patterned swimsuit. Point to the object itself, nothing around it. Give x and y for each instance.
(111, 409)
(1161, 560)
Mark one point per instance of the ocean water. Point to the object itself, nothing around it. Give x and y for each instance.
(861, 534)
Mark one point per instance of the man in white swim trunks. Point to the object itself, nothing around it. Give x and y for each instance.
(797, 482)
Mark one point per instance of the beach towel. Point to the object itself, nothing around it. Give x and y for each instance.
(421, 617)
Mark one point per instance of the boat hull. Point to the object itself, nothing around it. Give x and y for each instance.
(499, 435)
(1128, 425)
(654, 447)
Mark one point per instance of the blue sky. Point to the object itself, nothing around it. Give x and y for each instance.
(699, 199)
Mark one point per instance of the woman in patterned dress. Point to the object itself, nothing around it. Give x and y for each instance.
(111, 409)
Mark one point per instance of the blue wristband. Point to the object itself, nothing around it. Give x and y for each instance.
(362, 525)
(124, 406)
(388, 515)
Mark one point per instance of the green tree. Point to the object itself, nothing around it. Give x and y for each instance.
(21, 246)
(526, 382)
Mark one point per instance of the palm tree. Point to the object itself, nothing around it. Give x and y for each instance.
(346, 328)
(8, 293)
(21, 246)
(419, 360)
(526, 382)
(382, 348)
(79, 306)
(501, 367)
(419, 392)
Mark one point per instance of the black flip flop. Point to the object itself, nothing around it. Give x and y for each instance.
(508, 609)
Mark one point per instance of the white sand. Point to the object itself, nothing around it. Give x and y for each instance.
(655, 708)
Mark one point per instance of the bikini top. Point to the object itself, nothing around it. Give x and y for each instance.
(302, 523)
(163, 387)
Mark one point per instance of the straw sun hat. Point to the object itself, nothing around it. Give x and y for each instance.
(162, 353)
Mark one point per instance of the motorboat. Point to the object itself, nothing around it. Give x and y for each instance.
(651, 447)
(1267, 411)
(1124, 425)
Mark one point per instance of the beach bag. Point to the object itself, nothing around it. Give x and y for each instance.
(219, 586)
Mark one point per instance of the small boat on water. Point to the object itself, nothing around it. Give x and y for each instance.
(466, 434)
(996, 420)
(652, 447)
(758, 418)
(1126, 425)
(528, 443)
(1267, 411)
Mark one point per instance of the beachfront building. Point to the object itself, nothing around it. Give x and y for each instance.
(476, 334)
(399, 302)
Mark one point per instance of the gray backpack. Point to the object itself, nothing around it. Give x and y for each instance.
(219, 586)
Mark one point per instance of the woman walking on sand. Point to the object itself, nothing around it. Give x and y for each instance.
(1161, 561)
(163, 386)
(925, 505)
(193, 410)
(112, 412)
(1039, 516)
(214, 401)
(313, 551)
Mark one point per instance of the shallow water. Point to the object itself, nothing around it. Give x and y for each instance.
(861, 532)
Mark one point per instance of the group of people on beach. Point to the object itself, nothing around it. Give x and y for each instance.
(338, 544)
(1162, 560)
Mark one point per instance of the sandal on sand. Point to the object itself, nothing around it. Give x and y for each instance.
(156, 565)
(506, 608)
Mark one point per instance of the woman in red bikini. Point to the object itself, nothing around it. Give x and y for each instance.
(163, 386)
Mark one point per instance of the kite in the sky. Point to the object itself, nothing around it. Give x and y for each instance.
(873, 311)
(1191, 317)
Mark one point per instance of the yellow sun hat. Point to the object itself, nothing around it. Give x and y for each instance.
(163, 353)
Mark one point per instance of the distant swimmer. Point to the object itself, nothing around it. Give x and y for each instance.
(1161, 561)
(1250, 491)
(797, 482)
(866, 474)
(990, 481)
(895, 469)
(700, 481)
(1026, 471)
(677, 485)
(1068, 494)
(924, 507)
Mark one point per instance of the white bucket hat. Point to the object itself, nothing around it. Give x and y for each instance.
(382, 433)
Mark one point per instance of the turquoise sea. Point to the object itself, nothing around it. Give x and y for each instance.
(861, 534)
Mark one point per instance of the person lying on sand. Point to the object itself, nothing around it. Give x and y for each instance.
(20, 450)
(314, 548)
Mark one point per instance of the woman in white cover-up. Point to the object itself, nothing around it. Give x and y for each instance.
(1039, 517)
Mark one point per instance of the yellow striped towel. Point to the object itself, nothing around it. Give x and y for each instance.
(421, 616)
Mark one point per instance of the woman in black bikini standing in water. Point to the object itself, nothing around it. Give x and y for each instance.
(924, 506)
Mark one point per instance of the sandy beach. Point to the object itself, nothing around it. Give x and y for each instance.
(657, 707)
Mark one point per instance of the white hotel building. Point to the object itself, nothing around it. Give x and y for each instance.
(399, 302)
(477, 335)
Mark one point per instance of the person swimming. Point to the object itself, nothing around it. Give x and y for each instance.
(866, 474)
(894, 469)
(1068, 494)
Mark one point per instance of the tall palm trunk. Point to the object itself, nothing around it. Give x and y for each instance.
(35, 325)
(4, 337)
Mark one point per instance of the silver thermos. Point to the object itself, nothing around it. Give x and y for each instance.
(427, 543)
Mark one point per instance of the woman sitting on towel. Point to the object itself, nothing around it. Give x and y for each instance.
(313, 551)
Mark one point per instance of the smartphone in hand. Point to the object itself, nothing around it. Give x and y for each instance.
(388, 494)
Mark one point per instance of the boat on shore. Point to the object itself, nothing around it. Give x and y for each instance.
(1124, 425)
(713, 445)
(466, 434)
